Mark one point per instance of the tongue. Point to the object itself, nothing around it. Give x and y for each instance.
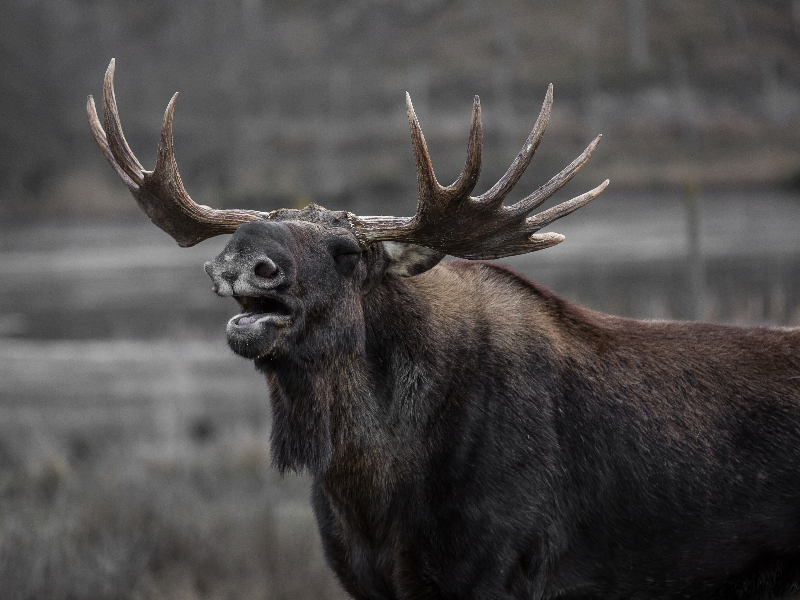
(247, 319)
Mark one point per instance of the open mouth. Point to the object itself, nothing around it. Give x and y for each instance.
(260, 308)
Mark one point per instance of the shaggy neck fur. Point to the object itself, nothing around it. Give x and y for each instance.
(340, 393)
(314, 385)
(307, 410)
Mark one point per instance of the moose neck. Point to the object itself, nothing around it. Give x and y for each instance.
(306, 417)
(336, 394)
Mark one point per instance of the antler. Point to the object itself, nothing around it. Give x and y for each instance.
(449, 220)
(160, 192)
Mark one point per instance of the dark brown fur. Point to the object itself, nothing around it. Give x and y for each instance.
(473, 435)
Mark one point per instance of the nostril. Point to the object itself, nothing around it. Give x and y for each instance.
(265, 269)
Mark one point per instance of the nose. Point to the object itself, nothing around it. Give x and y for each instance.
(265, 268)
(243, 276)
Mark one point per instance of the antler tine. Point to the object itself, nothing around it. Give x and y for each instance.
(546, 217)
(429, 188)
(558, 181)
(119, 146)
(160, 193)
(166, 172)
(102, 142)
(500, 190)
(165, 162)
(466, 182)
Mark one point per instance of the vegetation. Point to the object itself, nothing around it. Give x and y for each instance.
(215, 522)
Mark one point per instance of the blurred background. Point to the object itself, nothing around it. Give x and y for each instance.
(134, 459)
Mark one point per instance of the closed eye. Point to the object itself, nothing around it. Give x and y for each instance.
(346, 255)
(343, 246)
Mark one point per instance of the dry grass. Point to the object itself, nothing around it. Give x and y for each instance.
(200, 523)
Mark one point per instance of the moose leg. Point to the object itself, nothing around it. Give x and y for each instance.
(355, 566)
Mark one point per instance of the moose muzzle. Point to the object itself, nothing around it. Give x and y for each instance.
(257, 269)
(254, 262)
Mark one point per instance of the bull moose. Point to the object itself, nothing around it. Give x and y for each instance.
(469, 433)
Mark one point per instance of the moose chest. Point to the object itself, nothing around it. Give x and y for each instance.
(455, 513)
(433, 542)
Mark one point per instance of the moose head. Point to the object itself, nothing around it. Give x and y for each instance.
(297, 274)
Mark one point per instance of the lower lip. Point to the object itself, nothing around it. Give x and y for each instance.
(249, 320)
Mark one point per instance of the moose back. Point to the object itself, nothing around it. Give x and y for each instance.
(472, 435)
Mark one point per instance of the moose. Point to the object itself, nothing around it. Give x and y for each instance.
(469, 433)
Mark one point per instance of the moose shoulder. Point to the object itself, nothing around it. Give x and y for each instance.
(471, 434)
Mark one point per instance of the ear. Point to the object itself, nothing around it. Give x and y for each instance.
(407, 260)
